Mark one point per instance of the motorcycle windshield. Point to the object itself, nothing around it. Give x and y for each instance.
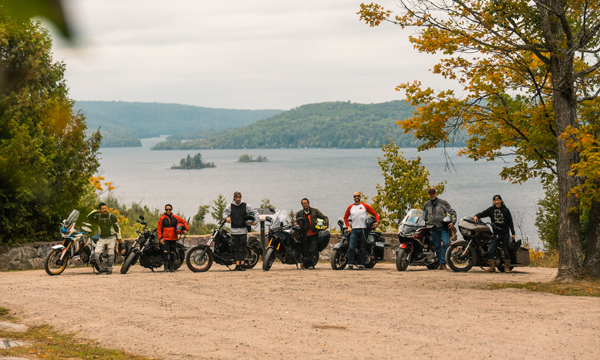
(279, 218)
(72, 218)
(414, 218)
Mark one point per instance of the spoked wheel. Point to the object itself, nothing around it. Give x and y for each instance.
(401, 260)
(251, 258)
(339, 259)
(458, 259)
(268, 259)
(196, 261)
(52, 263)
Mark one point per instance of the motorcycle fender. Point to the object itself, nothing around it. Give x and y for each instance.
(380, 244)
(403, 246)
(338, 245)
(459, 243)
(255, 243)
(58, 247)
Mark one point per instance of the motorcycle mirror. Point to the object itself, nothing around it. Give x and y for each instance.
(272, 210)
(142, 217)
(269, 219)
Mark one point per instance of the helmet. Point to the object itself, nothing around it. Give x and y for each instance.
(320, 224)
(249, 220)
(446, 221)
(370, 221)
(180, 228)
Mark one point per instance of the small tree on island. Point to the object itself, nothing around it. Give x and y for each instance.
(193, 163)
(248, 158)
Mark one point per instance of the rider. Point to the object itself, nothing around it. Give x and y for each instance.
(310, 232)
(166, 229)
(435, 210)
(358, 231)
(235, 213)
(501, 222)
(109, 231)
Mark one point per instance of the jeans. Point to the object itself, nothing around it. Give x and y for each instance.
(239, 247)
(358, 236)
(440, 236)
(496, 239)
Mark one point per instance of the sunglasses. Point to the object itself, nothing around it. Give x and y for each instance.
(168, 209)
(356, 196)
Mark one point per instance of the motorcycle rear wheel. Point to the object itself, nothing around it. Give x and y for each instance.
(401, 260)
(339, 259)
(129, 261)
(50, 265)
(459, 262)
(254, 257)
(268, 259)
(197, 264)
(433, 265)
(371, 263)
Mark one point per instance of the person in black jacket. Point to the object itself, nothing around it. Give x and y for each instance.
(502, 223)
(310, 231)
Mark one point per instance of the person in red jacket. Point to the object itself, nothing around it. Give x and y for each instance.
(359, 212)
(167, 233)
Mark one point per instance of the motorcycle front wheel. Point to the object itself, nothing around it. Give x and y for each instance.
(401, 260)
(339, 259)
(458, 260)
(129, 261)
(50, 263)
(197, 262)
(254, 256)
(268, 259)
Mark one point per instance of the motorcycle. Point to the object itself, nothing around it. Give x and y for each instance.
(149, 251)
(416, 244)
(77, 246)
(200, 258)
(375, 247)
(462, 255)
(284, 242)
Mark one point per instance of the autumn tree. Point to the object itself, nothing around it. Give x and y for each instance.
(527, 69)
(46, 160)
(405, 185)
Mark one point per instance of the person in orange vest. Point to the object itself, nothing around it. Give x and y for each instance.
(167, 233)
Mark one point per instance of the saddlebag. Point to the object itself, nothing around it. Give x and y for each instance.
(521, 257)
(323, 240)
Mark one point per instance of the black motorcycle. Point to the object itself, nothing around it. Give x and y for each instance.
(149, 251)
(462, 255)
(284, 242)
(200, 258)
(416, 244)
(375, 247)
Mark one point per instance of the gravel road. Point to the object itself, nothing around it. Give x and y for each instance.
(310, 314)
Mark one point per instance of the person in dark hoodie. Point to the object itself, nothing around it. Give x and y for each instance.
(235, 214)
(502, 223)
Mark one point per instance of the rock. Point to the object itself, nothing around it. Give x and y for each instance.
(4, 249)
(14, 265)
(8, 343)
(25, 265)
(37, 263)
(3, 262)
(15, 254)
(12, 327)
(43, 250)
(28, 252)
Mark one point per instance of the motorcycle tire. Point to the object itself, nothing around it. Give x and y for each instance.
(458, 262)
(254, 255)
(199, 265)
(180, 257)
(339, 259)
(371, 263)
(129, 262)
(401, 260)
(50, 263)
(315, 260)
(268, 259)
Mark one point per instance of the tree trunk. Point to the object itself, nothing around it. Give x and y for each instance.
(592, 257)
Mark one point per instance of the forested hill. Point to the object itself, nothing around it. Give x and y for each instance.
(330, 124)
(121, 120)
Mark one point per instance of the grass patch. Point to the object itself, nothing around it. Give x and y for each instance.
(580, 287)
(45, 342)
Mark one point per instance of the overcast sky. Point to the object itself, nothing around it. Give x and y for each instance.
(260, 54)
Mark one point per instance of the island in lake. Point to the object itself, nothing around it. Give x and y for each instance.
(248, 158)
(193, 163)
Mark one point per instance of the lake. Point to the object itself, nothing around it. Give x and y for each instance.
(327, 177)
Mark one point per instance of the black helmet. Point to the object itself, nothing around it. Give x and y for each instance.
(370, 221)
(249, 220)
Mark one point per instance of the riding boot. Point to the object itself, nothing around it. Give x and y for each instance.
(172, 263)
(492, 268)
(101, 268)
(109, 264)
(506, 266)
(166, 262)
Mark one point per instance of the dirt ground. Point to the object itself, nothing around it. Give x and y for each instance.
(310, 314)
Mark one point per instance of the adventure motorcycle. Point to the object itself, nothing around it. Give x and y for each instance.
(149, 251)
(375, 247)
(200, 258)
(77, 246)
(416, 243)
(462, 255)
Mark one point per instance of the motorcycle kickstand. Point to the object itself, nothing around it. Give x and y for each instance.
(152, 269)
